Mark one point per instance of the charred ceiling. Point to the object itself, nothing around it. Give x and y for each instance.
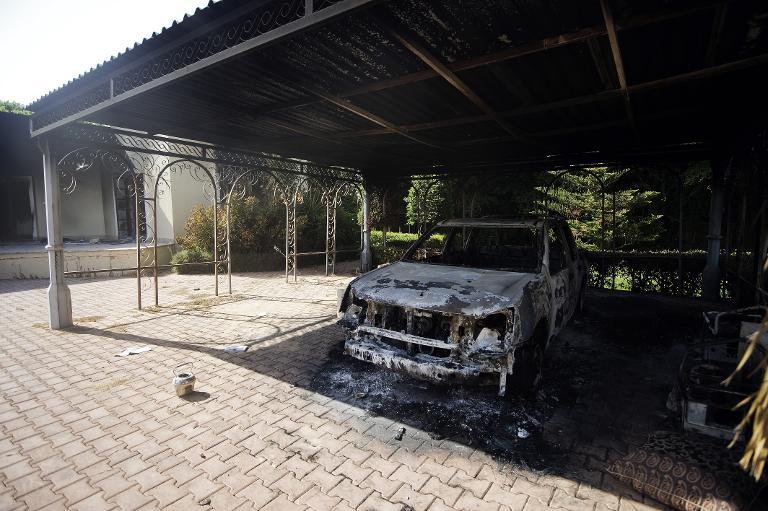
(409, 86)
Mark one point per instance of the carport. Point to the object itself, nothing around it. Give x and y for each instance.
(367, 91)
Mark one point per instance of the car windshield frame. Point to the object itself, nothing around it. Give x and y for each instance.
(469, 232)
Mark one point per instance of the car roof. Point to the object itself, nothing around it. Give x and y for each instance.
(498, 222)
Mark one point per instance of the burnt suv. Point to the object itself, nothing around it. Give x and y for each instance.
(472, 301)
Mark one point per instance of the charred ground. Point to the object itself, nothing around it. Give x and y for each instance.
(623, 349)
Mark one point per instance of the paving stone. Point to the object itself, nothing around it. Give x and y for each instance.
(416, 500)
(263, 439)
(40, 498)
(468, 502)
(132, 499)
(225, 500)
(375, 481)
(291, 486)
(319, 501)
(562, 500)
(505, 497)
(63, 477)
(446, 493)
(376, 502)
(166, 493)
(349, 492)
(281, 503)
(77, 491)
(95, 502)
(257, 494)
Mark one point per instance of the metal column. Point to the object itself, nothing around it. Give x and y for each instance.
(710, 286)
(59, 299)
(366, 259)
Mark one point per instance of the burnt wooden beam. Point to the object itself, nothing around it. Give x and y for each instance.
(449, 76)
(598, 59)
(618, 62)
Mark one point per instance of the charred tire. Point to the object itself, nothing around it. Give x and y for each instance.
(529, 364)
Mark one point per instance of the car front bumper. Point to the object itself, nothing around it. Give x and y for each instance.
(420, 365)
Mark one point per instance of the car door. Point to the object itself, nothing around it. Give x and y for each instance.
(575, 271)
(559, 263)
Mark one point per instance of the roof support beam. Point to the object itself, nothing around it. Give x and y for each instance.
(309, 20)
(578, 100)
(532, 47)
(365, 114)
(718, 23)
(449, 76)
(618, 61)
(589, 35)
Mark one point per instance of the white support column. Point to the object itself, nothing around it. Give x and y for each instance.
(366, 259)
(59, 300)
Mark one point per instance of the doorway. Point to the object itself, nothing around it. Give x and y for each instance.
(17, 213)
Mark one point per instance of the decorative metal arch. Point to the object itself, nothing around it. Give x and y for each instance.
(145, 161)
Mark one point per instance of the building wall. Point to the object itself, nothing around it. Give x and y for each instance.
(188, 193)
(82, 211)
(20, 157)
(25, 262)
(88, 212)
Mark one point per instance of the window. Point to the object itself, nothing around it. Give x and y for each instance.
(511, 248)
(17, 214)
(557, 257)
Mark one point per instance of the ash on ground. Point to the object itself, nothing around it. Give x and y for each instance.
(508, 429)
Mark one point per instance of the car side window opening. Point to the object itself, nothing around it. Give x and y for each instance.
(557, 256)
(570, 242)
(511, 248)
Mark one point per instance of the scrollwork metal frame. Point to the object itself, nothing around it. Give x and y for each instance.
(146, 162)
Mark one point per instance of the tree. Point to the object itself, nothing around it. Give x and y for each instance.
(577, 197)
(426, 202)
(13, 107)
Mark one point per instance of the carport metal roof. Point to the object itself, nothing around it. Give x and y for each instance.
(406, 86)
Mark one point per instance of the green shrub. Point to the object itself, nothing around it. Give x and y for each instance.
(397, 244)
(192, 255)
(258, 225)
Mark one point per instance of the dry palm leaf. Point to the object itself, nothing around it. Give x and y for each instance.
(756, 451)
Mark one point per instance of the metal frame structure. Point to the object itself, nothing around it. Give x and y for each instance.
(397, 89)
(146, 163)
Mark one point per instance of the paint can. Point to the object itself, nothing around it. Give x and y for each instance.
(183, 382)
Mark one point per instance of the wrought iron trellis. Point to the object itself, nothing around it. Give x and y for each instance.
(143, 164)
(547, 208)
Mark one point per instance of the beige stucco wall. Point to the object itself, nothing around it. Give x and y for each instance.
(187, 193)
(82, 211)
(178, 193)
(31, 262)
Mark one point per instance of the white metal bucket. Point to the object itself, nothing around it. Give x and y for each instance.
(184, 383)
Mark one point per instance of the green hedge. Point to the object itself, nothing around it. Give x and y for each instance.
(192, 255)
(397, 244)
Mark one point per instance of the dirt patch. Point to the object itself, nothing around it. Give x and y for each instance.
(89, 319)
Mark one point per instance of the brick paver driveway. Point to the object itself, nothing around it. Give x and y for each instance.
(84, 429)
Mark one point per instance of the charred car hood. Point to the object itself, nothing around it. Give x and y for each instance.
(447, 289)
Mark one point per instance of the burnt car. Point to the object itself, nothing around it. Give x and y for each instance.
(472, 301)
